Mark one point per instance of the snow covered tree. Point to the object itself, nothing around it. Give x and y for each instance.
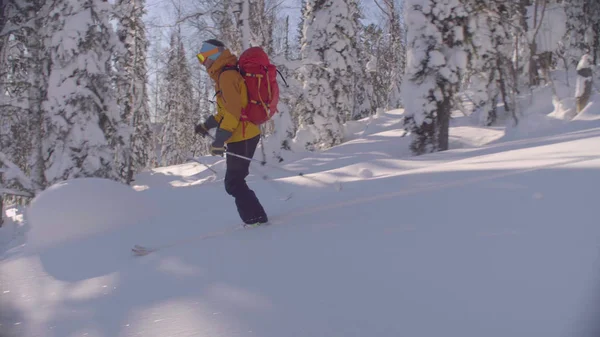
(331, 68)
(3, 36)
(13, 182)
(23, 85)
(391, 59)
(356, 61)
(14, 81)
(300, 29)
(179, 116)
(206, 108)
(583, 28)
(375, 47)
(321, 116)
(436, 61)
(262, 21)
(82, 117)
(133, 94)
(282, 44)
(490, 69)
(286, 44)
(285, 121)
(229, 32)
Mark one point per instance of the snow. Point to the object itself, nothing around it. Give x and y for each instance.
(586, 61)
(496, 237)
(95, 206)
(552, 27)
(365, 173)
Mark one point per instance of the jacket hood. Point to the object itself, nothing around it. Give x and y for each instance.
(226, 58)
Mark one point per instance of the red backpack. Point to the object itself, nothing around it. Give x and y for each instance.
(261, 83)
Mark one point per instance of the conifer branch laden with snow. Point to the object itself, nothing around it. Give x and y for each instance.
(489, 75)
(178, 130)
(331, 68)
(82, 121)
(582, 30)
(436, 61)
(137, 152)
(13, 182)
(24, 68)
(389, 54)
(12, 174)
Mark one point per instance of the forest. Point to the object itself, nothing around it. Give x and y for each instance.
(96, 88)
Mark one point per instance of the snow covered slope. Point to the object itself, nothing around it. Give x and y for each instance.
(497, 237)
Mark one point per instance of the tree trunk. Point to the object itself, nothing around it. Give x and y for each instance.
(1, 208)
(584, 95)
(502, 85)
(443, 123)
(245, 24)
(534, 79)
(1, 199)
(37, 95)
(596, 48)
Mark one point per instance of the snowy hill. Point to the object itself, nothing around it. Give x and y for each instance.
(497, 237)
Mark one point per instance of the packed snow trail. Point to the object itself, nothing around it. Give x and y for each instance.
(496, 241)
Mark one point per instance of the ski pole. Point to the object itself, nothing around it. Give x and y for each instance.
(338, 185)
(301, 174)
(199, 162)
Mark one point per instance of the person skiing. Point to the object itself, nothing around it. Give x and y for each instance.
(240, 136)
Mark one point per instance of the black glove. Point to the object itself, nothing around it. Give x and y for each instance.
(217, 151)
(202, 128)
(217, 148)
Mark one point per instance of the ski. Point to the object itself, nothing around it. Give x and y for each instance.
(139, 250)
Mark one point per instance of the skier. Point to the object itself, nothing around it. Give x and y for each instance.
(241, 137)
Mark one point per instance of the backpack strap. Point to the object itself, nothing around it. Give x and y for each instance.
(283, 78)
(228, 67)
(224, 69)
(236, 68)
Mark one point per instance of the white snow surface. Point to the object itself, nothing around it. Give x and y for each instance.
(496, 237)
(95, 206)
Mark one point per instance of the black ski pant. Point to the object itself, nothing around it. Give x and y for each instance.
(248, 206)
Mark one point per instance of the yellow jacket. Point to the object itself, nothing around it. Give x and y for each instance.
(232, 97)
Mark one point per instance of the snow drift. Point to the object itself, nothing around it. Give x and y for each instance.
(83, 207)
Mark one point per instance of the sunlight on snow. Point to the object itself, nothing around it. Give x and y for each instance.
(175, 266)
(93, 287)
(174, 316)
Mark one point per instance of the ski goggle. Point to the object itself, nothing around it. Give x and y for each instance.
(205, 55)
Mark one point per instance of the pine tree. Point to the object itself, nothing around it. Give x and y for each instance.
(228, 25)
(377, 66)
(331, 65)
(583, 29)
(133, 98)
(391, 60)
(300, 31)
(356, 61)
(286, 44)
(178, 129)
(437, 60)
(205, 110)
(489, 71)
(82, 121)
(262, 23)
(23, 85)
(14, 80)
